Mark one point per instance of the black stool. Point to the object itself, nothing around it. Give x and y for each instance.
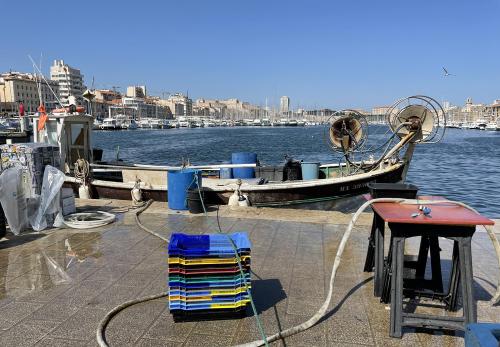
(461, 274)
(375, 260)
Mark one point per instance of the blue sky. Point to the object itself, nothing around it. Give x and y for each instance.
(320, 53)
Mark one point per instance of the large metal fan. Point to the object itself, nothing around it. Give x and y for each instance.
(348, 131)
(419, 115)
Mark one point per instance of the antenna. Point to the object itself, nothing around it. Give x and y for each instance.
(47, 83)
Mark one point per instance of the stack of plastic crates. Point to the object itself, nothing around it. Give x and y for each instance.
(205, 281)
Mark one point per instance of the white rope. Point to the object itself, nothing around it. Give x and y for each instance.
(88, 220)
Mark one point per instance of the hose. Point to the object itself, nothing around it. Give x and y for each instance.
(101, 339)
(142, 226)
(323, 309)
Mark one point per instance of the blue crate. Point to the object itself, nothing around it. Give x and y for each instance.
(482, 335)
(209, 243)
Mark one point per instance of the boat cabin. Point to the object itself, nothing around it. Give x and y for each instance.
(72, 132)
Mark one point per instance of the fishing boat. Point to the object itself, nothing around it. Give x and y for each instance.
(410, 122)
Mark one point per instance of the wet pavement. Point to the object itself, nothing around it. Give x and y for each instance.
(56, 286)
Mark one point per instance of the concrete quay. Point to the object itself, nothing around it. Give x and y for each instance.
(57, 285)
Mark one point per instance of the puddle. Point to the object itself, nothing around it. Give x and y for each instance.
(32, 266)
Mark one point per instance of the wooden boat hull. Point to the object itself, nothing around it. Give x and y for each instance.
(325, 195)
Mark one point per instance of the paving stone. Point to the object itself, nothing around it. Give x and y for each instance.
(16, 311)
(26, 333)
(208, 340)
(164, 328)
(146, 342)
(55, 342)
(80, 326)
(128, 326)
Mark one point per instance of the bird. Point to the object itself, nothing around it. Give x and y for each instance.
(446, 73)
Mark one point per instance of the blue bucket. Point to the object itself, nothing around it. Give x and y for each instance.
(310, 170)
(179, 182)
(226, 172)
(244, 158)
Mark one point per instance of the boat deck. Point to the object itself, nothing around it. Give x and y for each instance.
(57, 285)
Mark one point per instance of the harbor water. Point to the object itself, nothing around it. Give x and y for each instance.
(465, 166)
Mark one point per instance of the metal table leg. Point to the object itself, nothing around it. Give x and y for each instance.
(397, 287)
(466, 280)
(370, 254)
(379, 256)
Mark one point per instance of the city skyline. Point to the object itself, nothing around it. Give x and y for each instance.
(321, 55)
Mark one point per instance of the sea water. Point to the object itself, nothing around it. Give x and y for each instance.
(464, 166)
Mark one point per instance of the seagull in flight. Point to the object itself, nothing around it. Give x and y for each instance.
(446, 73)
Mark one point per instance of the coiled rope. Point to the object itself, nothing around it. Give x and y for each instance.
(324, 307)
(88, 220)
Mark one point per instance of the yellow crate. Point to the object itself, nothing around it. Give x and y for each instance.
(231, 305)
(206, 261)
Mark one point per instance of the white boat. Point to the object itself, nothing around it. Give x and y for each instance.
(129, 125)
(155, 123)
(97, 124)
(302, 123)
(266, 122)
(492, 126)
(481, 124)
(109, 124)
(142, 124)
(283, 122)
(183, 124)
(292, 123)
(256, 123)
(208, 124)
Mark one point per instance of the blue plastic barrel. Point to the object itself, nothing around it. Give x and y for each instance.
(179, 182)
(244, 158)
(310, 170)
(226, 172)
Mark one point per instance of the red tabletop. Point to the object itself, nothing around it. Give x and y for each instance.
(442, 213)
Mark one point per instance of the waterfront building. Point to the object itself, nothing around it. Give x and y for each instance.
(103, 100)
(136, 91)
(106, 95)
(284, 104)
(493, 109)
(70, 82)
(139, 108)
(380, 110)
(18, 87)
(178, 104)
(181, 105)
